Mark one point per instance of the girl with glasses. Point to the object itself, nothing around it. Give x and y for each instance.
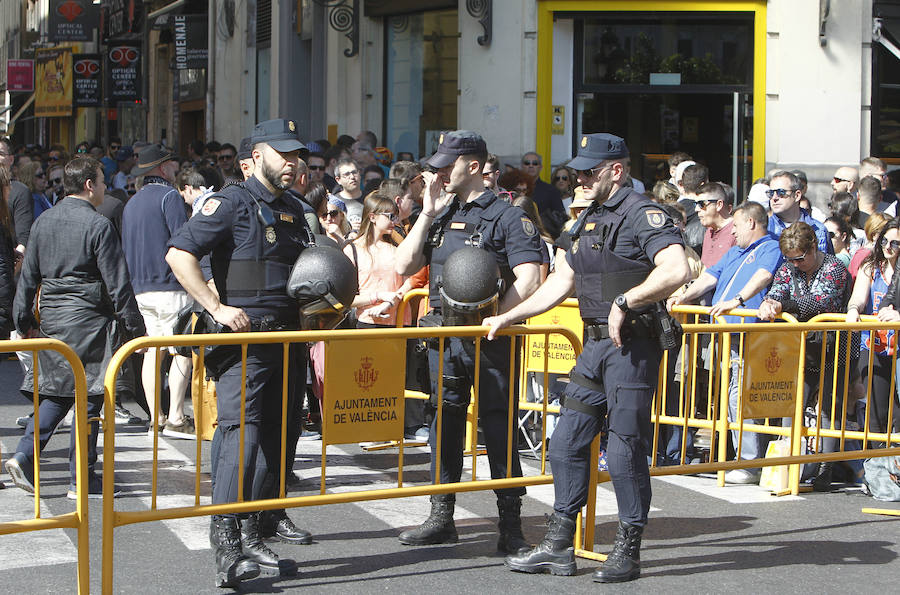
(332, 214)
(373, 254)
(841, 238)
(871, 285)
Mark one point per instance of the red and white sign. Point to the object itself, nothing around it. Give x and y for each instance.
(20, 75)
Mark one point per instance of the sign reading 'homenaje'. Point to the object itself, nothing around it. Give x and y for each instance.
(190, 34)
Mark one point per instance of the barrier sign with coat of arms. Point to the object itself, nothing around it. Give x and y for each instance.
(771, 364)
(560, 353)
(364, 385)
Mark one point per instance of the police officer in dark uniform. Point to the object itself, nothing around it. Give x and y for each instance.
(253, 233)
(457, 212)
(625, 258)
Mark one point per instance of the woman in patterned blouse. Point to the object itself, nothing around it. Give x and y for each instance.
(809, 283)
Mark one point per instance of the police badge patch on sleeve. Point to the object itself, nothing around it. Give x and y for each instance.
(528, 226)
(210, 206)
(655, 218)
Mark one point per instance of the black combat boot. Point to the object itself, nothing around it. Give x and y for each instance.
(511, 539)
(232, 566)
(256, 549)
(554, 554)
(438, 527)
(277, 524)
(822, 481)
(624, 561)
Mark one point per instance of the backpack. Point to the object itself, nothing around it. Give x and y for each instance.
(883, 478)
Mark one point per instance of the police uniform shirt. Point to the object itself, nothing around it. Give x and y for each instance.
(645, 231)
(227, 228)
(507, 232)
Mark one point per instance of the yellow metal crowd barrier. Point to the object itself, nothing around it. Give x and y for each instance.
(551, 345)
(372, 347)
(77, 520)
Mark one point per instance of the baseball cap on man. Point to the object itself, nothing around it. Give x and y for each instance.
(597, 148)
(245, 149)
(279, 134)
(456, 143)
(124, 153)
(150, 157)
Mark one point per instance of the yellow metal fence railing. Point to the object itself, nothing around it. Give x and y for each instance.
(378, 351)
(759, 370)
(78, 519)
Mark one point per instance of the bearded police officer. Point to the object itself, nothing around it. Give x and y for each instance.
(625, 257)
(458, 212)
(253, 233)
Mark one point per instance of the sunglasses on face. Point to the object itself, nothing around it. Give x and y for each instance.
(891, 244)
(115, 147)
(779, 192)
(509, 195)
(81, 151)
(331, 214)
(838, 180)
(225, 157)
(316, 167)
(391, 216)
(702, 204)
(563, 178)
(794, 258)
(531, 162)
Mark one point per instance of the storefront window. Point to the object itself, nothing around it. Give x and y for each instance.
(667, 49)
(421, 79)
(886, 93)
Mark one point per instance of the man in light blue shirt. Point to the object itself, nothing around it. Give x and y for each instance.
(784, 199)
(740, 280)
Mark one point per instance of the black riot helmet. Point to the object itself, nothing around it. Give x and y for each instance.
(470, 287)
(324, 282)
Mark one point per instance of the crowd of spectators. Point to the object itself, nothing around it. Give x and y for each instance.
(775, 252)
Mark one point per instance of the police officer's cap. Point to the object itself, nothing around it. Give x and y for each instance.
(594, 149)
(245, 149)
(279, 134)
(456, 143)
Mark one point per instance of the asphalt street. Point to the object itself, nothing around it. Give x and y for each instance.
(701, 538)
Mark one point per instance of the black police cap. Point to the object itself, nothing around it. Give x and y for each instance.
(597, 148)
(279, 134)
(456, 143)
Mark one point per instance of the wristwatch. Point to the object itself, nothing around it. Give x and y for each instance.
(622, 303)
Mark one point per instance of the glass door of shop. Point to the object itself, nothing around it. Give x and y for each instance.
(714, 128)
(666, 82)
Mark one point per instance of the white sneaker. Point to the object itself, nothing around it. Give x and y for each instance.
(743, 476)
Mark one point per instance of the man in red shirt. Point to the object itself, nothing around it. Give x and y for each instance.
(714, 213)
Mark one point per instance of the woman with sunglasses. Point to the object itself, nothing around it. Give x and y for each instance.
(870, 287)
(564, 180)
(332, 214)
(33, 175)
(842, 238)
(809, 283)
(373, 254)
